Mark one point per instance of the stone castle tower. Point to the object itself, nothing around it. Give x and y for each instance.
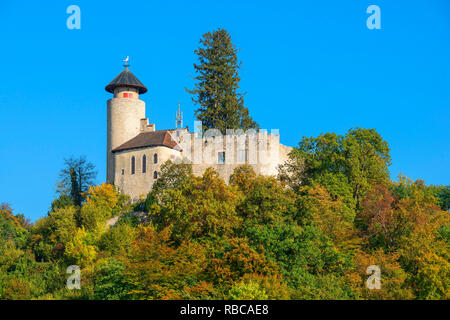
(136, 150)
(124, 113)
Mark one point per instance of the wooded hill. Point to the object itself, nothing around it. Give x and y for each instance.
(310, 233)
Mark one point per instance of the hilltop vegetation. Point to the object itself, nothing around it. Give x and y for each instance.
(310, 233)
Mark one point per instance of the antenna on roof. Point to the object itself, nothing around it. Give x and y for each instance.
(179, 117)
(126, 65)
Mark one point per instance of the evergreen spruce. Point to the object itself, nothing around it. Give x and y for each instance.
(221, 106)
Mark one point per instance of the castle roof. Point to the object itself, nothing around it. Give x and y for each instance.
(126, 79)
(160, 138)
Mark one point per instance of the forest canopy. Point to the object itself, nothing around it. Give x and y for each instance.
(310, 233)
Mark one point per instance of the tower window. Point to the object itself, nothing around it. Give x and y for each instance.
(221, 157)
(155, 158)
(133, 165)
(144, 164)
(155, 175)
(127, 95)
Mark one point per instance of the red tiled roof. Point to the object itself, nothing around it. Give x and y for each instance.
(160, 138)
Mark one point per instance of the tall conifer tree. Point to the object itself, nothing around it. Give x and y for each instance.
(221, 106)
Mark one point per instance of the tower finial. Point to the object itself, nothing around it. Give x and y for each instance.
(126, 65)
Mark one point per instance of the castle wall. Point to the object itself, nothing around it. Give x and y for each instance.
(226, 170)
(262, 151)
(139, 184)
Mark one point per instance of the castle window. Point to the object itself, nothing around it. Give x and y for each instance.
(125, 95)
(155, 158)
(155, 175)
(221, 157)
(144, 164)
(133, 165)
(123, 171)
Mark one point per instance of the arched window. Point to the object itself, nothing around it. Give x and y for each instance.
(144, 164)
(155, 158)
(155, 175)
(133, 165)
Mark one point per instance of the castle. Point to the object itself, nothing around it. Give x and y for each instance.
(136, 150)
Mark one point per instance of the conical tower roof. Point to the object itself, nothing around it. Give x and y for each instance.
(126, 79)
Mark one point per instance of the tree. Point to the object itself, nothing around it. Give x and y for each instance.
(331, 217)
(393, 277)
(347, 166)
(204, 207)
(265, 201)
(12, 227)
(442, 193)
(390, 220)
(221, 105)
(80, 250)
(110, 282)
(75, 179)
(232, 259)
(158, 269)
(367, 160)
(247, 290)
(102, 202)
(50, 235)
(172, 175)
(62, 201)
(383, 224)
(444, 198)
(117, 240)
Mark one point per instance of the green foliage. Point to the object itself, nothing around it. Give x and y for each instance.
(404, 188)
(348, 166)
(21, 277)
(12, 227)
(444, 233)
(62, 201)
(117, 240)
(311, 234)
(221, 106)
(171, 176)
(265, 201)
(75, 179)
(321, 287)
(158, 269)
(110, 280)
(443, 194)
(204, 207)
(249, 290)
(102, 203)
(50, 235)
(80, 250)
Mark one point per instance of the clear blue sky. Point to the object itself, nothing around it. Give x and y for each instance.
(309, 67)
